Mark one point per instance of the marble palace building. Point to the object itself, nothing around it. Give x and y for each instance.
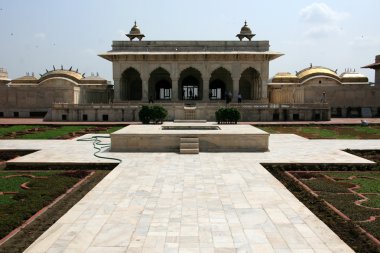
(192, 79)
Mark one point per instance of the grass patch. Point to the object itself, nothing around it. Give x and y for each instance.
(374, 201)
(4, 130)
(336, 193)
(54, 133)
(30, 233)
(327, 131)
(19, 207)
(111, 129)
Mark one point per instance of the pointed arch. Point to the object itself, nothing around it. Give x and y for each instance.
(190, 84)
(131, 85)
(160, 84)
(250, 84)
(220, 83)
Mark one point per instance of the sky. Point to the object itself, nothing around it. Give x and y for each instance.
(35, 35)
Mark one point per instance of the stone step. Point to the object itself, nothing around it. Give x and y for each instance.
(189, 151)
(189, 140)
(189, 145)
(190, 121)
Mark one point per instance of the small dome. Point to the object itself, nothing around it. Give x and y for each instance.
(285, 77)
(317, 71)
(73, 75)
(245, 29)
(245, 32)
(135, 33)
(135, 30)
(3, 74)
(353, 77)
(27, 79)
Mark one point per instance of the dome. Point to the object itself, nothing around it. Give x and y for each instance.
(245, 29)
(3, 74)
(317, 71)
(94, 79)
(353, 77)
(27, 79)
(135, 33)
(62, 73)
(245, 32)
(285, 77)
(135, 30)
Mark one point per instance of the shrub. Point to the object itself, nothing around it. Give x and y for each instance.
(145, 114)
(227, 115)
(154, 113)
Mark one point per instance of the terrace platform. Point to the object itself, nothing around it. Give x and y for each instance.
(174, 137)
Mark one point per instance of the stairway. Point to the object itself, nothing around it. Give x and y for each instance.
(189, 145)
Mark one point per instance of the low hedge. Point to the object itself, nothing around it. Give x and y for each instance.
(227, 115)
(155, 114)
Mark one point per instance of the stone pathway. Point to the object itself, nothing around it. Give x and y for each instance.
(211, 202)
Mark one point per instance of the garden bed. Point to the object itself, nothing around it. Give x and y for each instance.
(345, 197)
(327, 131)
(26, 193)
(52, 131)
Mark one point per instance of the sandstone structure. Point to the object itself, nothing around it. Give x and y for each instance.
(192, 79)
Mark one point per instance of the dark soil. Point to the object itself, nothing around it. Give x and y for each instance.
(373, 155)
(6, 155)
(29, 234)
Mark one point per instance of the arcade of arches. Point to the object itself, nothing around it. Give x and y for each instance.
(191, 85)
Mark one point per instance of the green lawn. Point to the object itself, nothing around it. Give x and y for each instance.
(4, 130)
(327, 131)
(16, 208)
(54, 132)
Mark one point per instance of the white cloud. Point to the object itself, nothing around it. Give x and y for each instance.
(40, 36)
(322, 21)
(321, 31)
(321, 13)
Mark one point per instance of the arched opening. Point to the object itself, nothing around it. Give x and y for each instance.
(131, 85)
(163, 90)
(160, 85)
(250, 84)
(220, 84)
(190, 84)
(217, 90)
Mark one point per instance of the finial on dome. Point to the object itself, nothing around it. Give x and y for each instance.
(135, 33)
(245, 32)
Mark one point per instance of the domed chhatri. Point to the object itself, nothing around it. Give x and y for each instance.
(135, 33)
(245, 32)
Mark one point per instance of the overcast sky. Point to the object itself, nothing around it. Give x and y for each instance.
(37, 34)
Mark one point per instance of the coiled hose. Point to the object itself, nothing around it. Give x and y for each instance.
(99, 146)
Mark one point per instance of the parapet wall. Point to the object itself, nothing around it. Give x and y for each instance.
(206, 111)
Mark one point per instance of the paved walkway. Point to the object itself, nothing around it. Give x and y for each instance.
(211, 202)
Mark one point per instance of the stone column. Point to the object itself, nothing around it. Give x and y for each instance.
(206, 87)
(235, 86)
(264, 77)
(145, 89)
(117, 90)
(175, 89)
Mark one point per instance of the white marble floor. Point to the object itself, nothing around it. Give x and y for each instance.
(211, 202)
